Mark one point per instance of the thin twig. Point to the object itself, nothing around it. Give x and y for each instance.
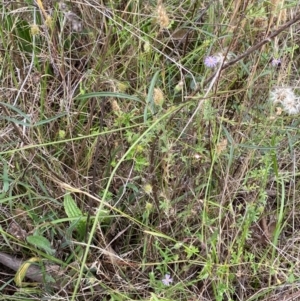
(251, 49)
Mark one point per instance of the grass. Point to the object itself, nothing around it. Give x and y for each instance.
(128, 164)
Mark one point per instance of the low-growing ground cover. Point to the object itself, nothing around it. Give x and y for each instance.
(149, 150)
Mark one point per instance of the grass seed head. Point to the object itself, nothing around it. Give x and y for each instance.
(162, 16)
(49, 21)
(158, 97)
(147, 47)
(148, 207)
(148, 188)
(34, 30)
(122, 86)
(115, 107)
(221, 146)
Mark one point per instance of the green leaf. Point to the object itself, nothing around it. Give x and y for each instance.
(149, 99)
(6, 180)
(71, 208)
(158, 234)
(191, 250)
(45, 121)
(41, 243)
(72, 211)
(16, 110)
(108, 94)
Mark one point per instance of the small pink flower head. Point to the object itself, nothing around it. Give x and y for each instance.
(211, 61)
(167, 280)
(276, 62)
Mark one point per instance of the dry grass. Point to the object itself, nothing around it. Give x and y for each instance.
(125, 159)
